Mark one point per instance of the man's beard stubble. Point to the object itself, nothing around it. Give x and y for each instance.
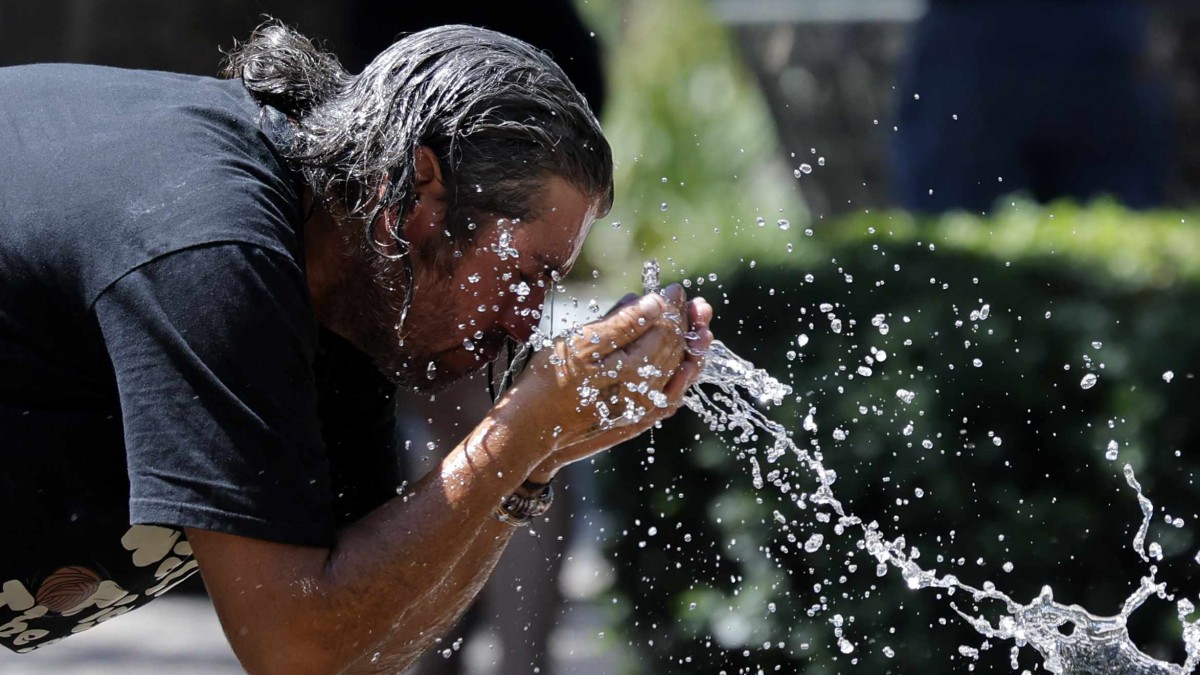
(368, 305)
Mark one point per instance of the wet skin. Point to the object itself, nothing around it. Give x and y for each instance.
(473, 295)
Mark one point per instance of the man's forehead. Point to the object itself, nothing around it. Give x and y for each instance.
(566, 218)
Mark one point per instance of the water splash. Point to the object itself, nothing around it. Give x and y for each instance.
(1069, 639)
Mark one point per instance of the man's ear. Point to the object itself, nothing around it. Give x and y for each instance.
(426, 219)
(428, 216)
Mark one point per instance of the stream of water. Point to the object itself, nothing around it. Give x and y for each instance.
(1068, 638)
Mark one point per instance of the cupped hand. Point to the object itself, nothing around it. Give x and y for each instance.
(616, 377)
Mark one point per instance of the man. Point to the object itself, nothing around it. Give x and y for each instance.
(195, 273)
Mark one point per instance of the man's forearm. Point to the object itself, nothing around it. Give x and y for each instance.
(437, 612)
(292, 609)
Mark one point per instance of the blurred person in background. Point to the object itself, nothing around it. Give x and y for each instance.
(205, 283)
(1052, 98)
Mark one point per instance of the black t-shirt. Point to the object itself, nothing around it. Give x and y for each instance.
(160, 363)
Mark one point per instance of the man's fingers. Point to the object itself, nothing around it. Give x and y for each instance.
(660, 347)
(700, 313)
(621, 328)
(625, 301)
(680, 381)
(675, 295)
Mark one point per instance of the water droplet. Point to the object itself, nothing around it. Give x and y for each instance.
(468, 345)
(504, 246)
(784, 224)
(1110, 452)
(1088, 381)
(1168, 376)
(431, 371)
(662, 207)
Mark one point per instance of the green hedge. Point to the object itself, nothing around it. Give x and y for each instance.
(1095, 289)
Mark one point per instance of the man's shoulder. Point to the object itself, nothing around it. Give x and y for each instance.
(108, 169)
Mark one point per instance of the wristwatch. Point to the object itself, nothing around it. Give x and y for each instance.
(528, 502)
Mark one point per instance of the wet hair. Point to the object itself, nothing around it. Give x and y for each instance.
(500, 115)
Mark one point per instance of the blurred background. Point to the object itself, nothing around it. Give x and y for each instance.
(979, 201)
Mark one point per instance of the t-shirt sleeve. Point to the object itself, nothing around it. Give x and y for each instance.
(213, 351)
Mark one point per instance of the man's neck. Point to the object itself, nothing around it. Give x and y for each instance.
(322, 249)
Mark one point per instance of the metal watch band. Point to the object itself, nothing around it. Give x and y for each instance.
(528, 502)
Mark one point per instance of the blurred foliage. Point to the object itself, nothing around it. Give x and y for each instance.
(1000, 457)
(690, 130)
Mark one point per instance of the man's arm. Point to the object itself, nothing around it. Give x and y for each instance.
(294, 609)
(447, 424)
(299, 609)
(440, 610)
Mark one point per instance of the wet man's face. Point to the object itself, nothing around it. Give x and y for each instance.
(463, 310)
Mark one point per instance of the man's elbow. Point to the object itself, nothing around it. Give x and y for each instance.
(298, 647)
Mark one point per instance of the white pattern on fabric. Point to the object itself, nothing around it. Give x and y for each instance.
(149, 545)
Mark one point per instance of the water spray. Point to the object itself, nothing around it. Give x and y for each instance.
(1070, 640)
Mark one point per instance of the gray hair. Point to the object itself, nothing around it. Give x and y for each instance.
(500, 115)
